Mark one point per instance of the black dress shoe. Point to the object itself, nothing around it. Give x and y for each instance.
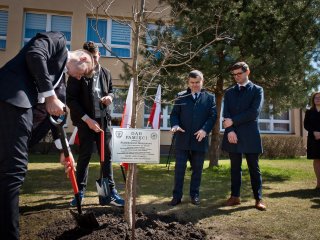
(195, 200)
(175, 201)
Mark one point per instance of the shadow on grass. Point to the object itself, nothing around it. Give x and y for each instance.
(215, 188)
(312, 194)
(300, 193)
(155, 181)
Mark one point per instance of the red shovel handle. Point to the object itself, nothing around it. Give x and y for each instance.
(72, 175)
(102, 146)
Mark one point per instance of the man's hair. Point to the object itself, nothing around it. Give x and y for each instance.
(244, 66)
(91, 47)
(313, 106)
(195, 74)
(92, 64)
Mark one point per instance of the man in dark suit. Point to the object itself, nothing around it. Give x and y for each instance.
(192, 119)
(41, 119)
(89, 100)
(30, 77)
(242, 105)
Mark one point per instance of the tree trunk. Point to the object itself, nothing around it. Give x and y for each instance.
(214, 150)
(130, 196)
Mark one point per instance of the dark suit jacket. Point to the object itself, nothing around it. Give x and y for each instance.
(80, 97)
(192, 116)
(243, 107)
(36, 68)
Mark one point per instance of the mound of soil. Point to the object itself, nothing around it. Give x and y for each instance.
(113, 226)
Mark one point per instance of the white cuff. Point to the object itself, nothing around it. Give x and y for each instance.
(85, 117)
(58, 144)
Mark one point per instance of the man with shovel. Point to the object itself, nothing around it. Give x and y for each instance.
(27, 79)
(88, 100)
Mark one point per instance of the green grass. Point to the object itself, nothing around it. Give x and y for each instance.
(293, 204)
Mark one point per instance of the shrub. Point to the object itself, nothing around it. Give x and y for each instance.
(278, 146)
(275, 146)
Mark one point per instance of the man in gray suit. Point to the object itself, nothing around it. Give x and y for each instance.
(27, 79)
(242, 105)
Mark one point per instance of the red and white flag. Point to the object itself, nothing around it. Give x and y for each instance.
(127, 115)
(127, 111)
(155, 113)
(74, 138)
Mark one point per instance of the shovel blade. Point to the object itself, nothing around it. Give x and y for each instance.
(86, 220)
(103, 190)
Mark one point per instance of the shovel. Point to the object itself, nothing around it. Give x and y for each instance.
(102, 183)
(84, 220)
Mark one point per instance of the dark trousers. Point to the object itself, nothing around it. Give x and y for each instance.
(196, 159)
(254, 170)
(15, 132)
(87, 138)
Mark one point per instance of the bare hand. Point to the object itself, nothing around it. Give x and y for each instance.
(68, 165)
(93, 125)
(106, 100)
(200, 135)
(227, 122)
(232, 137)
(176, 129)
(54, 106)
(316, 135)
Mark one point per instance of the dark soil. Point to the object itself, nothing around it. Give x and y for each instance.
(113, 226)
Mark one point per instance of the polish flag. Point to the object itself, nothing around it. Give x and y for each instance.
(127, 111)
(155, 113)
(127, 114)
(74, 139)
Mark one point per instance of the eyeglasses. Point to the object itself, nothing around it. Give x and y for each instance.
(236, 74)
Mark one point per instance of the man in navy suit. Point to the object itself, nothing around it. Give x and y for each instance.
(192, 119)
(242, 105)
(27, 79)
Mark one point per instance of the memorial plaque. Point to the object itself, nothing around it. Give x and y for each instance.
(132, 145)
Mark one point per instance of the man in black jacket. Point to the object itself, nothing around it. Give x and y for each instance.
(27, 79)
(84, 98)
(242, 106)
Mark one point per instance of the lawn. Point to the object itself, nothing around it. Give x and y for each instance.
(288, 188)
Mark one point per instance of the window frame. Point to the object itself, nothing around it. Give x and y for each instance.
(108, 38)
(48, 25)
(4, 38)
(164, 117)
(271, 120)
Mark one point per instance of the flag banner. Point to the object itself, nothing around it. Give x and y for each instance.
(127, 111)
(155, 113)
(127, 114)
(74, 139)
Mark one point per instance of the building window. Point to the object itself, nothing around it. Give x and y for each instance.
(117, 106)
(270, 123)
(113, 34)
(3, 28)
(164, 118)
(35, 23)
(274, 123)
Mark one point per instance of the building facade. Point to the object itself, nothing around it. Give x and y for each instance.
(20, 20)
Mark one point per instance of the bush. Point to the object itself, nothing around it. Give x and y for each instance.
(275, 146)
(278, 146)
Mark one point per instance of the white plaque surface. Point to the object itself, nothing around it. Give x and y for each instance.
(134, 145)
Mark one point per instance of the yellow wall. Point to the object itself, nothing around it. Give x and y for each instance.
(79, 10)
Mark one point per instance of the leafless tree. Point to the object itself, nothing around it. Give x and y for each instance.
(162, 51)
